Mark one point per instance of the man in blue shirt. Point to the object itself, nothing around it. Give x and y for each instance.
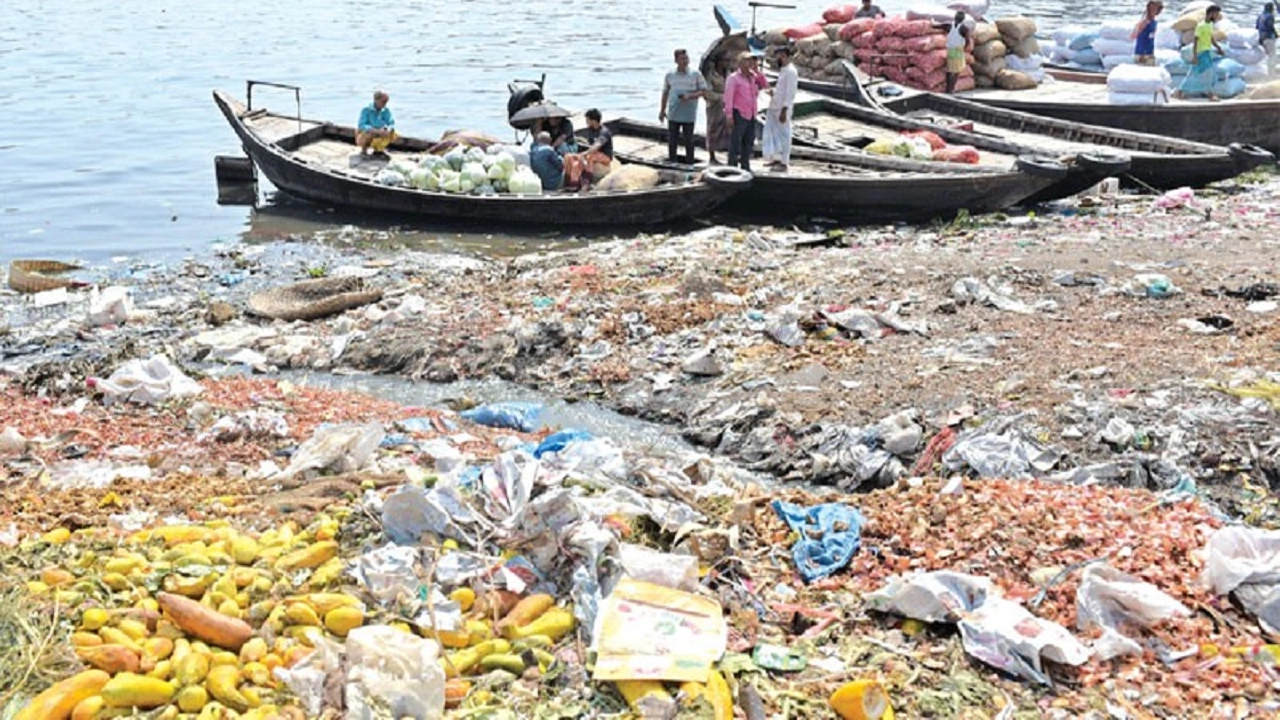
(1144, 35)
(376, 129)
(546, 163)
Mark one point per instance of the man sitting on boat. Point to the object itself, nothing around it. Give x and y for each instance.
(590, 166)
(546, 163)
(376, 129)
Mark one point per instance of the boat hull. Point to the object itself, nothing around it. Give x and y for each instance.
(318, 184)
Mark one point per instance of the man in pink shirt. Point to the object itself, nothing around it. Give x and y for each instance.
(740, 92)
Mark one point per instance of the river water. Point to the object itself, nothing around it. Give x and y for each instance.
(110, 144)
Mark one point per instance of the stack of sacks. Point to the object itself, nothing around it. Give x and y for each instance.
(1138, 85)
(1114, 44)
(1032, 67)
(909, 52)
(1019, 36)
(818, 47)
(989, 53)
(1244, 47)
(924, 145)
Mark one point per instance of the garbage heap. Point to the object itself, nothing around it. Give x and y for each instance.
(424, 563)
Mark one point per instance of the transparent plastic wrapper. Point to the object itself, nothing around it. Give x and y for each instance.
(1112, 600)
(679, 572)
(1246, 561)
(388, 674)
(146, 382)
(342, 448)
(1006, 454)
(999, 632)
(411, 511)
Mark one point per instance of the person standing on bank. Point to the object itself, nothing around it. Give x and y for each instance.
(777, 119)
(679, 106)
(959, 42)
(1266, 25)
(1144, 35)
(376, 129)
(740, 93)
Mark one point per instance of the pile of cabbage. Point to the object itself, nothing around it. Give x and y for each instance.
(469, 171)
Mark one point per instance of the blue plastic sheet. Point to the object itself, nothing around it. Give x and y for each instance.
(522, 416)
(829, 536)
(555, 442)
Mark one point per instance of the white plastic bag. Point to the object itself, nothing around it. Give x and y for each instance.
(342, 448)
(393, 672)
(146, 382)
(110, 306)
(999, 632)
(1138, 79)
(1111, 600)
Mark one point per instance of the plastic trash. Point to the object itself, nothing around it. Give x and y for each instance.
(1113, 601)
(246, 425)
(679, 572)
(778, 657)
(522, 416)
(650, 632)
(999, 632)
(863, 699)
(411, 511)
(341, 448)
(110, 306)
(829, 536)
(1007, 454)
(388, 674)
(146, 382)
(1246, 561)
(556, 442)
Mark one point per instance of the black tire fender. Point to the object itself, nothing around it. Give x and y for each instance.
(1110, 164)
(728, 175)
(523, 97)
(1249, 156)
(1041, 166)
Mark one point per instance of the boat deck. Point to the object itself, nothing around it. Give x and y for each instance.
(655, 151)
(1074, 93)
(835, 129)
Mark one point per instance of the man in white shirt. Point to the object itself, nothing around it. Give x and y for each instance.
(777, 121)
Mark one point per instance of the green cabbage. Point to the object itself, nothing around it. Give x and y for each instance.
(455, 158)
(497, 172)
(419, 178)
(475, 172)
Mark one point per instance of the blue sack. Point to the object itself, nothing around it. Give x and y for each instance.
(522, 416)
(1230, 68)
(1088, 56)
(1232, 87)
(1084, 41)
(555, 442)
(829, 536)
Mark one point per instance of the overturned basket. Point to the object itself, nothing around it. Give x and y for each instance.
(313, 299)
(25, 276)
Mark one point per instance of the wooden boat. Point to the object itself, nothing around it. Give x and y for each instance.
(1156, 161)
(837, 125)
(824, 182)
(1228, 122)
(318, 161)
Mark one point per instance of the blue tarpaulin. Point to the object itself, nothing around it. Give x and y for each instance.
(555, 442)
(829, 536)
